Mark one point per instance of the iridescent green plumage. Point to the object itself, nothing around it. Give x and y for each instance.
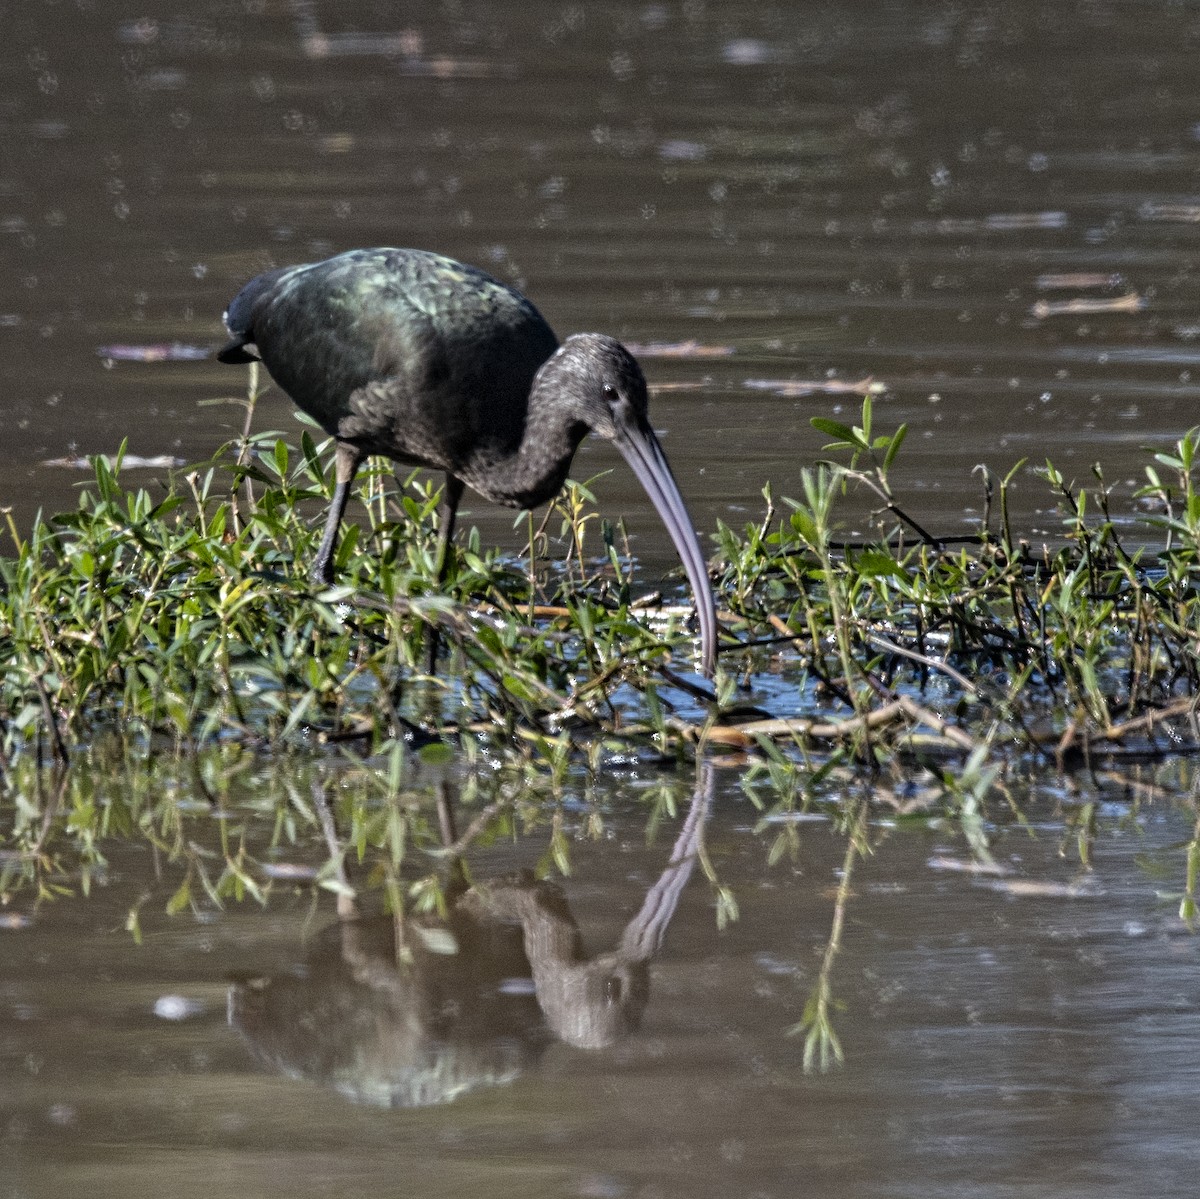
(433, 363)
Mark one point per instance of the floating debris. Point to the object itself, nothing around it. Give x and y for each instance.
(405, 43)
(1187, 214)
(15, 920)
(128, 462)
(517, 986)
(139, 32)
(806, 387)
(1042, 889)
(336, 143)
(1078, 280)
(291, 871)
(680, 150)
(1027, 220)
(1086, 305)
(677, 349)
(966, 866)
(751, 52)
(678, 385)
(174, 352)
(51, 130)
(404, 49)
(436, 940)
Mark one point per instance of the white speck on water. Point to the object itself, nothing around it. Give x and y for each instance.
(517, 986)
(177, 1007)
(770, 964)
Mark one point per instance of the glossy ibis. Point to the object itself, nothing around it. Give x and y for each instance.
(433, 363)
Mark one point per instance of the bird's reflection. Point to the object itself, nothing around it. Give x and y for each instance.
(422, 1010)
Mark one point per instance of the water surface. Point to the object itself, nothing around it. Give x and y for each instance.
(990, 212)
(987, 209)
(1029, 1031)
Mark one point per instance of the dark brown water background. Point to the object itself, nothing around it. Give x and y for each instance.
(992, 211)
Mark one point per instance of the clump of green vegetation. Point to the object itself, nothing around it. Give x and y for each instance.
(1087, 647)
(169, 677)
(186, 617)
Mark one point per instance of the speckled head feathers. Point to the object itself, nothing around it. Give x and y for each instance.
(601, 376)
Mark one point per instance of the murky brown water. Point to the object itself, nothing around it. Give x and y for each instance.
(1029, 1033)
(992, 210)
(917, 194)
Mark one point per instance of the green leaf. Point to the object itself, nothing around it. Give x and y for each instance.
(802, 522)
(832, 428)
(518, 687)
(875, 564)
(894, 448)
(181, 899)
(436, 753)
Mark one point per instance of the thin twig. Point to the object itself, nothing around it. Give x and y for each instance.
(60, 746)
(935, 664)
(347, 904)
(473, 830)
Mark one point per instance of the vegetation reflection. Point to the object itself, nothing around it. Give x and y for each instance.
(168, 680)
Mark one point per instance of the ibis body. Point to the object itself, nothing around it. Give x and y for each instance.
(433, 363)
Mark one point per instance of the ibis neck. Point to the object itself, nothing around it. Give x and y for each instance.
(536, 469)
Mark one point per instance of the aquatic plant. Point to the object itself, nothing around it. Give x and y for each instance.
(169, 678)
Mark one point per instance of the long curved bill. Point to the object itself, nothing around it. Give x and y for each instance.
(639, 447)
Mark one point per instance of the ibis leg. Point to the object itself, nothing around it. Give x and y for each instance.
(456, 881)
(447, 513)
(346, 464)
